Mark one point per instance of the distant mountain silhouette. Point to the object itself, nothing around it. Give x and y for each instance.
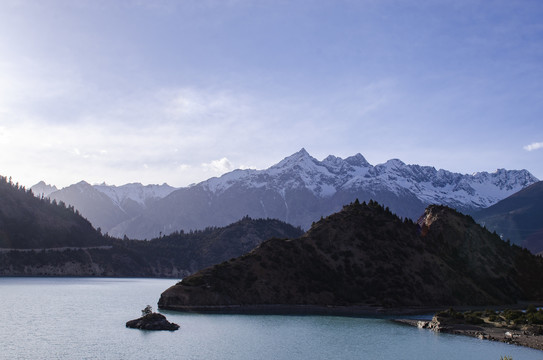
(42, 189)
(95, 206)
(106, 206)
(366, 256)
(518, 218)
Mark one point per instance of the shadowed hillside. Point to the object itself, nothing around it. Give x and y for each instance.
(366, 256)
(195, 250)
(518, 218)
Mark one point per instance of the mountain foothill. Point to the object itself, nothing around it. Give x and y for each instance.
(517, 218)
(366, 257)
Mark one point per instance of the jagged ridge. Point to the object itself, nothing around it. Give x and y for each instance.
(301, 189)
(298, 190)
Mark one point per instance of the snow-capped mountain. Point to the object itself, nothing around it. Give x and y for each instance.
(106, 206)
(300, 189)
(43, 189)
(141, 194)
(333, 174)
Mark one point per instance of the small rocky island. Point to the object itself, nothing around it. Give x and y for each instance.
(524, 328)
(151, 321)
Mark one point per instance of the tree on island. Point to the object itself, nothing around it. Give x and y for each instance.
(147, 311)
(151, 321)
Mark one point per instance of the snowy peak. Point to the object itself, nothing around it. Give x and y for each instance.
(42, 189)
(506, 179)
(137, 192)
(300, 158)
(81, 186)
(357, 160)
(394, 164)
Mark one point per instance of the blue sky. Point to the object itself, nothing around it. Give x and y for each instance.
(180, 91)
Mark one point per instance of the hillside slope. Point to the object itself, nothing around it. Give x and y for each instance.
(366, 256)
(518, 217)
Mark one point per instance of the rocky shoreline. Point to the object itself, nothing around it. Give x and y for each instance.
(283, 309)
(306, 309)
(509, 335)
(368, 310)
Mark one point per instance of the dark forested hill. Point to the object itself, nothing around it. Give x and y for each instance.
(194, 250)
(518, 217)
(366, 256)
(29, 222)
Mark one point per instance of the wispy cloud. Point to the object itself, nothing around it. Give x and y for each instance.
(169, 134)
(533, 146)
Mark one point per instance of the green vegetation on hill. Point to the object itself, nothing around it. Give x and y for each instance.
(512, 319)
(365, 255)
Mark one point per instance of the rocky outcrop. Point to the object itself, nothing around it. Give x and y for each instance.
(153, 321)
(439, 325)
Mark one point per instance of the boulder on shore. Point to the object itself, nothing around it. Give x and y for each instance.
(153, 321)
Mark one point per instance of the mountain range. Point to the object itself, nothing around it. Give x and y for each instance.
(365, 257)
(299, 190)
(106, 206)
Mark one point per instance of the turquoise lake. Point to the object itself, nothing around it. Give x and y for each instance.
(84, 318)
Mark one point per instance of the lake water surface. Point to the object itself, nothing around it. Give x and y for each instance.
(84, 318)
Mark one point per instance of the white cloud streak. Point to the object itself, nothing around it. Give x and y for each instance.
(533, 146)
(220, 166)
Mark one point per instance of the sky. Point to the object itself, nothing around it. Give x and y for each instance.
(180, 91)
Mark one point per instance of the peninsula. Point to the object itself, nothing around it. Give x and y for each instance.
(365, 259)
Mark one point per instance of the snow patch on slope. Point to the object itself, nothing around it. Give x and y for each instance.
(135, 191)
